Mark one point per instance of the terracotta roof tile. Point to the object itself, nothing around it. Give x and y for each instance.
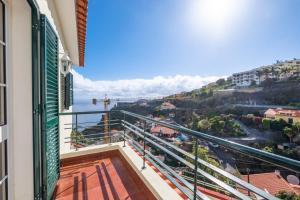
(163, 130)
(270, 182)
(81, 14)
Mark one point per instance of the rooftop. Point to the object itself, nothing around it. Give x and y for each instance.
(280, 111)
(270, 182)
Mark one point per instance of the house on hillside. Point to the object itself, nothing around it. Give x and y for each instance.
(167, 106)
(271, 182)
(290, 116)
(161, 131)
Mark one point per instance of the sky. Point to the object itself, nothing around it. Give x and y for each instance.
(160, 47)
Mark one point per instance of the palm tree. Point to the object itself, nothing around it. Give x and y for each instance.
(289, 132)
(275, 73)
(259, 73)
(266, 72)
(296, 68)
(285, 71)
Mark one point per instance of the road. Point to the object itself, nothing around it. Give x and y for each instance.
(255, 135)
(265, 106)
(225, 158)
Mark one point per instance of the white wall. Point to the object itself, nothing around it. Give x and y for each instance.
(19, 81)
(19, 78)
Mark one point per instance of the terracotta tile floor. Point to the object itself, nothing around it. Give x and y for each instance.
(100, 176)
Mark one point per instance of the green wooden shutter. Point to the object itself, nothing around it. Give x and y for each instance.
(69, 90)
(50, 119)
(62, 91)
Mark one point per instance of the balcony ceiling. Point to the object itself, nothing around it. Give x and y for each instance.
(71, 16)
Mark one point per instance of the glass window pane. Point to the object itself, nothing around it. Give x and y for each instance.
(2, 70)
(2, 169)
(2, 105)
(1, 21)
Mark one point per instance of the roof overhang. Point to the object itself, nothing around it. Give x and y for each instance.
(71, 18)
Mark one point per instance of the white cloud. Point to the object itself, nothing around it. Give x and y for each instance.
(158, 86)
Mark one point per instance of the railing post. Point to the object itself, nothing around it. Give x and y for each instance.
(144, 149)
(76, 133)
(196, 168)
(109, 133)
(248, 179)
(124, 137)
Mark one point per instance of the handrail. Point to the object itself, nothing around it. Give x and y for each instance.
(168, 148)
(238, 181)
(274, 159)
(190, 165)
(84, 112)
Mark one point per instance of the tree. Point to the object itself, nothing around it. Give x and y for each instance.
(221, 126)
(275, 73)
(285, 71)
(268, 149)
(253, 83)
(296, 128)
(287, 195)
(266, 72)
(203, 125)
(221, 81)
(259, 73)
(266, 123)
(297, 69)
(289, 132)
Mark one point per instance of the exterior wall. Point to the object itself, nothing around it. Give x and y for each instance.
(286, 118)
(19, 78)
(19, 95)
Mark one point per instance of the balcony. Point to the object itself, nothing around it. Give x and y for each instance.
(119, 158)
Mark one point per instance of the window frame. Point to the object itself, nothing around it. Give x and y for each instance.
(3, 84)
(3, 104)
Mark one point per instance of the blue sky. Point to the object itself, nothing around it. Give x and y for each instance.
(143, 39)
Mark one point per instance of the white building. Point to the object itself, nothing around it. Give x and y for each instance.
(258, 75)
(246, 78)
(38, 39)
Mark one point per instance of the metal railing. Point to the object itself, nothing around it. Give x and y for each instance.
(132, 128)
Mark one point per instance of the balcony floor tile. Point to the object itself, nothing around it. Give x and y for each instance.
(101, 176)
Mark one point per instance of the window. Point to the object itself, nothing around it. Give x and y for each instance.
(68, 90)
(2, 66)
(3, 141)
(63, 91)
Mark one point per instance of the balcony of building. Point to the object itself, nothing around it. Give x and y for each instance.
(117, 157)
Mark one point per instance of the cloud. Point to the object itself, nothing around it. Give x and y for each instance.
(158, 86)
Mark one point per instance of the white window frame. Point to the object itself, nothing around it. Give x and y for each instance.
(3, 128)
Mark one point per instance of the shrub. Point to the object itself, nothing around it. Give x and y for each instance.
(266, 123)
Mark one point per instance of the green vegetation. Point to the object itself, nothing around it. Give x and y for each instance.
(220, 125)
(266, 123)
(204, 155)
(268, 149)
(289, 132)
(288, 195)
(77, 137)
(207, 91)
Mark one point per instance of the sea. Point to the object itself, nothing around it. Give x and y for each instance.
(87, 105)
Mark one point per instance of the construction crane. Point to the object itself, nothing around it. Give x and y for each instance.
(106, 103)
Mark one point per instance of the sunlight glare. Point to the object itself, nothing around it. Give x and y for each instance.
(214, 17)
